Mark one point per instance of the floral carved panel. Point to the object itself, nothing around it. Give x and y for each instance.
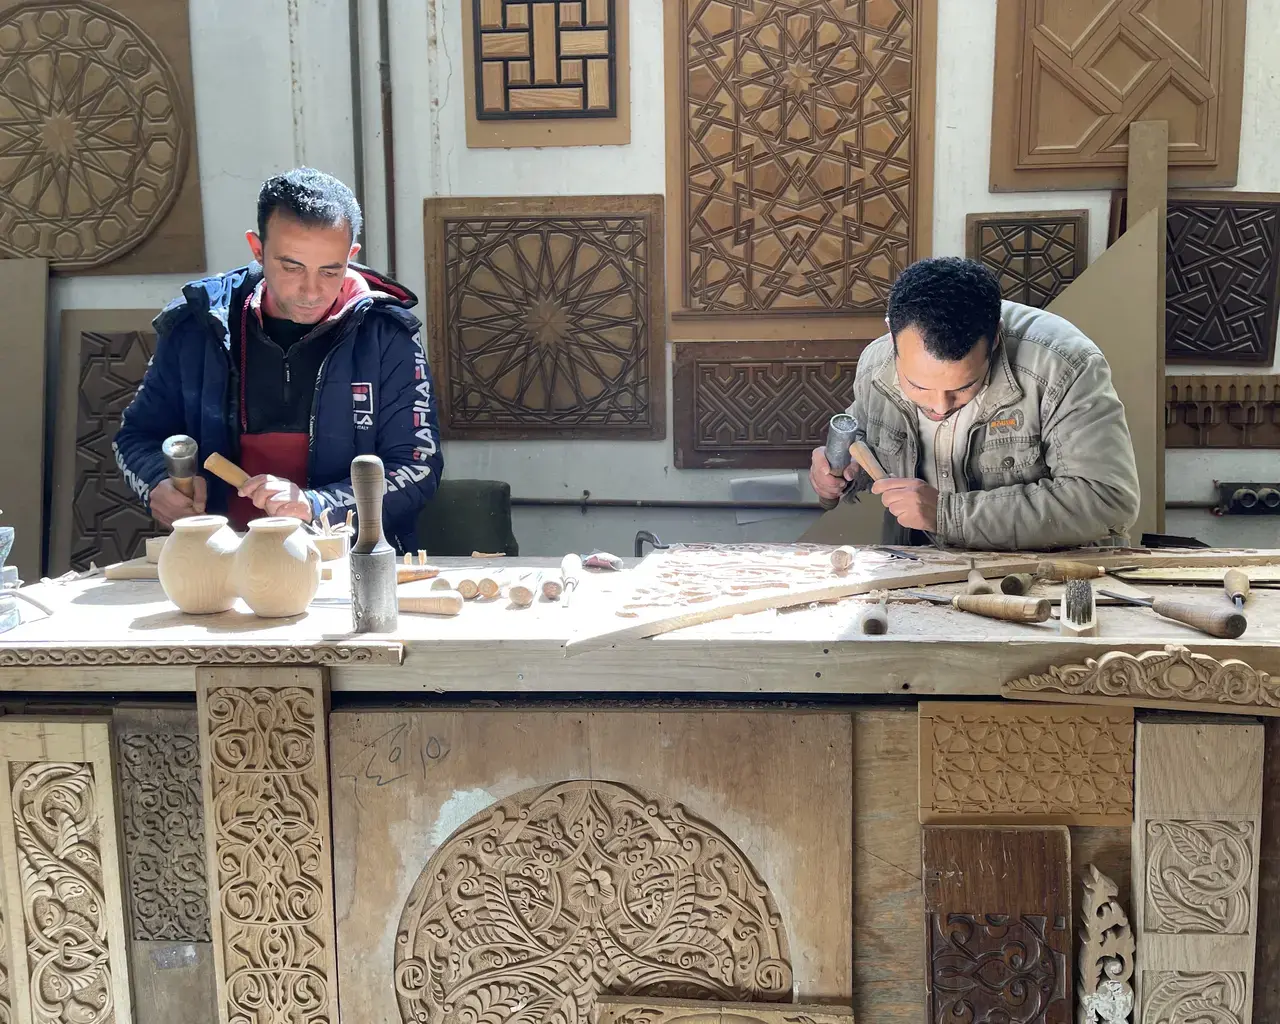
(1199, 876)
(1181, 997)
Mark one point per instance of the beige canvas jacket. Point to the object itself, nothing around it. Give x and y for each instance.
(1049, 462)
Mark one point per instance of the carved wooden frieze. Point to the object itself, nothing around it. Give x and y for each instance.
(635, 1010)
(1172, 678)
(1071, 78)
(547, 317)
(266, 800)
(1033, 255)
(43, 655)
(758, 404)
(1223, 412)
(1025, 765)
(1104, 993)
(799, 161)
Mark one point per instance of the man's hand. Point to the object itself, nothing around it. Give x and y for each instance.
(912, 502)
(825, 484)
(276, 497)
(168, 503)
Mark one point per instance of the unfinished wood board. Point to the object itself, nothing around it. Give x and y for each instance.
(800, 177)
(1196, 831)
(96, 100)
(1071, 78)
(547, 318)
(1149, 189)
(758, 404)
(1018, 764)
(60, 867)
(1238, 411)
(24, 285)
(476, 852)
(264, 761)
(622, 1010)
(1266, 993)
(1116, 303)
(546, 73)
(1034, 256)
(997, 924)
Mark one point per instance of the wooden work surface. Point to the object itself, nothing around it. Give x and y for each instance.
(125, 636)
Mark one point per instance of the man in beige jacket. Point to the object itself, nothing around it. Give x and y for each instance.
(997, 422)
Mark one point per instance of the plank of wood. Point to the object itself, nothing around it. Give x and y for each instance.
(994, 763)
(544, 44)
(996, 898)
(638, 1010)
(1196, 833)
(1266, 993)
(134, 569)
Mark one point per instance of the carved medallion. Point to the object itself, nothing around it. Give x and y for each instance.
(1174, 997)
(1199, 876)
(93, 138)
(558, 894)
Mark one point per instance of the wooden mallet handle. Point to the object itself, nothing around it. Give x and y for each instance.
(1215, 620)
(439, 602)
(1004, 606)
(866, 458)
(1236, 583)
(368, 484)
(226, 470)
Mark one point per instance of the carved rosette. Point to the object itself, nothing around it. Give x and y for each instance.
(1105, 990)
(539, 904)
(1199, 876)
(1214, 997)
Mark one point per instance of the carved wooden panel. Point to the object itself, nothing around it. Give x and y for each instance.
(1012, 764)
(1197, 825)
(800, 158)
(97, 136)
(998, 942)
(547, 317)
(264, 762)
(1105, 989)
(758, 404)
(1266, 992)
(1033, 255)
(60, 865)
(1071, 78)
(578, 864)
(620, 1010)
(1223, 412)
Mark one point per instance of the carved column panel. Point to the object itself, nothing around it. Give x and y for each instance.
(63, 901)
(263, 754)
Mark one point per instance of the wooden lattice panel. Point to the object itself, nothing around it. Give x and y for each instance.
(1071, 78)
(547, 317)
(1034, 255)
(758, 404)
(800, 161)
(1223, 412)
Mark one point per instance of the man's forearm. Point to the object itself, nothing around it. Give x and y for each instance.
(1054, 513)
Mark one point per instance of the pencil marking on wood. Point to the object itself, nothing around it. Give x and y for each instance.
(1199, 876)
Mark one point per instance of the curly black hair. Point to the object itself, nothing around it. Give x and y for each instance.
(310, 196)
(952, 302)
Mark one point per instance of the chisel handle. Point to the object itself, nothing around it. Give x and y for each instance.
(1004, 606)
(1236, 583)
(1215, 620)
(874, 621)
(440, 602)
(1017, 583)
(1059, 571)
(978, 583)
(866, 458)
(225, 470)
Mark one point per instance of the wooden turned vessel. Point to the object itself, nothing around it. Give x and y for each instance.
(277, 568)
(195, 565)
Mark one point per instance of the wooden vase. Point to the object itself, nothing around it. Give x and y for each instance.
(195, 565)
(277, 568)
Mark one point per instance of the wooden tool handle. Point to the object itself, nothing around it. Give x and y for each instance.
(489, 588)
(866, 458)
(874, 621)
(226, 470)
(552, 588)
(1058, 571)
(1213, 619)
(368, 484)
(1004, 606)
(1017, 583)
(978, 583)
(1236, 583)
(440, 602)
(842, 558)
(185, 485)
(468, 588)
(522, 594)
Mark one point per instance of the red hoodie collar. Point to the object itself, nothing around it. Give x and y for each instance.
(355, 287)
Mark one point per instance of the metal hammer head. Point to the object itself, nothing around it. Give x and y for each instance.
(180, 454)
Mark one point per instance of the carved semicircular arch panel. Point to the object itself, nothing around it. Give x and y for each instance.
(559, 894)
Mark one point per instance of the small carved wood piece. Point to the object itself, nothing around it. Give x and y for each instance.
(1104, 994)
(264, 760)
(547, 317)
(1011, 764)
(636, 1010)
(244, 652)
(60, 868)
(998, 924)
(1223, 412)
(757, 404)
(1033, 255)
(1173, 678)
(1196, 832)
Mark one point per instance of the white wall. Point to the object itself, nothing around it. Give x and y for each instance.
(279, 95)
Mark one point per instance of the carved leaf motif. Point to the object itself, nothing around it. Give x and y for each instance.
(1198, 876)
(562, 893)
(1104, 992)
(1214, 997)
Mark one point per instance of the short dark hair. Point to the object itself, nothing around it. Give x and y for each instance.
(952, 302)
(311, 197)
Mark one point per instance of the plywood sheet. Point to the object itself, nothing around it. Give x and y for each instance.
(98, 111)
(781, 115)
(547, 317)
(1071, 77)
(477, 851)
(1034, 256)
(618, 1010)
(24, 287)
(1197, 825)
(547, 73)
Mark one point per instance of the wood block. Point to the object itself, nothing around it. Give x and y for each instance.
(1034, 256)
(264, 761)
(708, 867)
(634, 1010)
(998, 923)
(1196, 832)
(1237, 411)
(1011, 764)
(60, 881)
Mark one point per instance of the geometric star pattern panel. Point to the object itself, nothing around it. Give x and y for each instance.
(547, 317)
(97, 137)
(798, 171)
(1033, 255)
(758, 404)
(1222, 275)
(1223, 412)
(1071, 78)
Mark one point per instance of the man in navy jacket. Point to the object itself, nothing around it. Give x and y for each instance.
(290, 367)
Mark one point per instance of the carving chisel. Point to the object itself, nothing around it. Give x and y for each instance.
(1236, 584)
(1226, 623)
(993, 606)
(570, 574)
(373, 560)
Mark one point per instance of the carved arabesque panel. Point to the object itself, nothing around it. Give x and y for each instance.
(1199, 876)
(578, 889)
(1181, 997)
(1033, 255)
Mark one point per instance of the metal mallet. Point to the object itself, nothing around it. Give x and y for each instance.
(180, 455)
(840, 435)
